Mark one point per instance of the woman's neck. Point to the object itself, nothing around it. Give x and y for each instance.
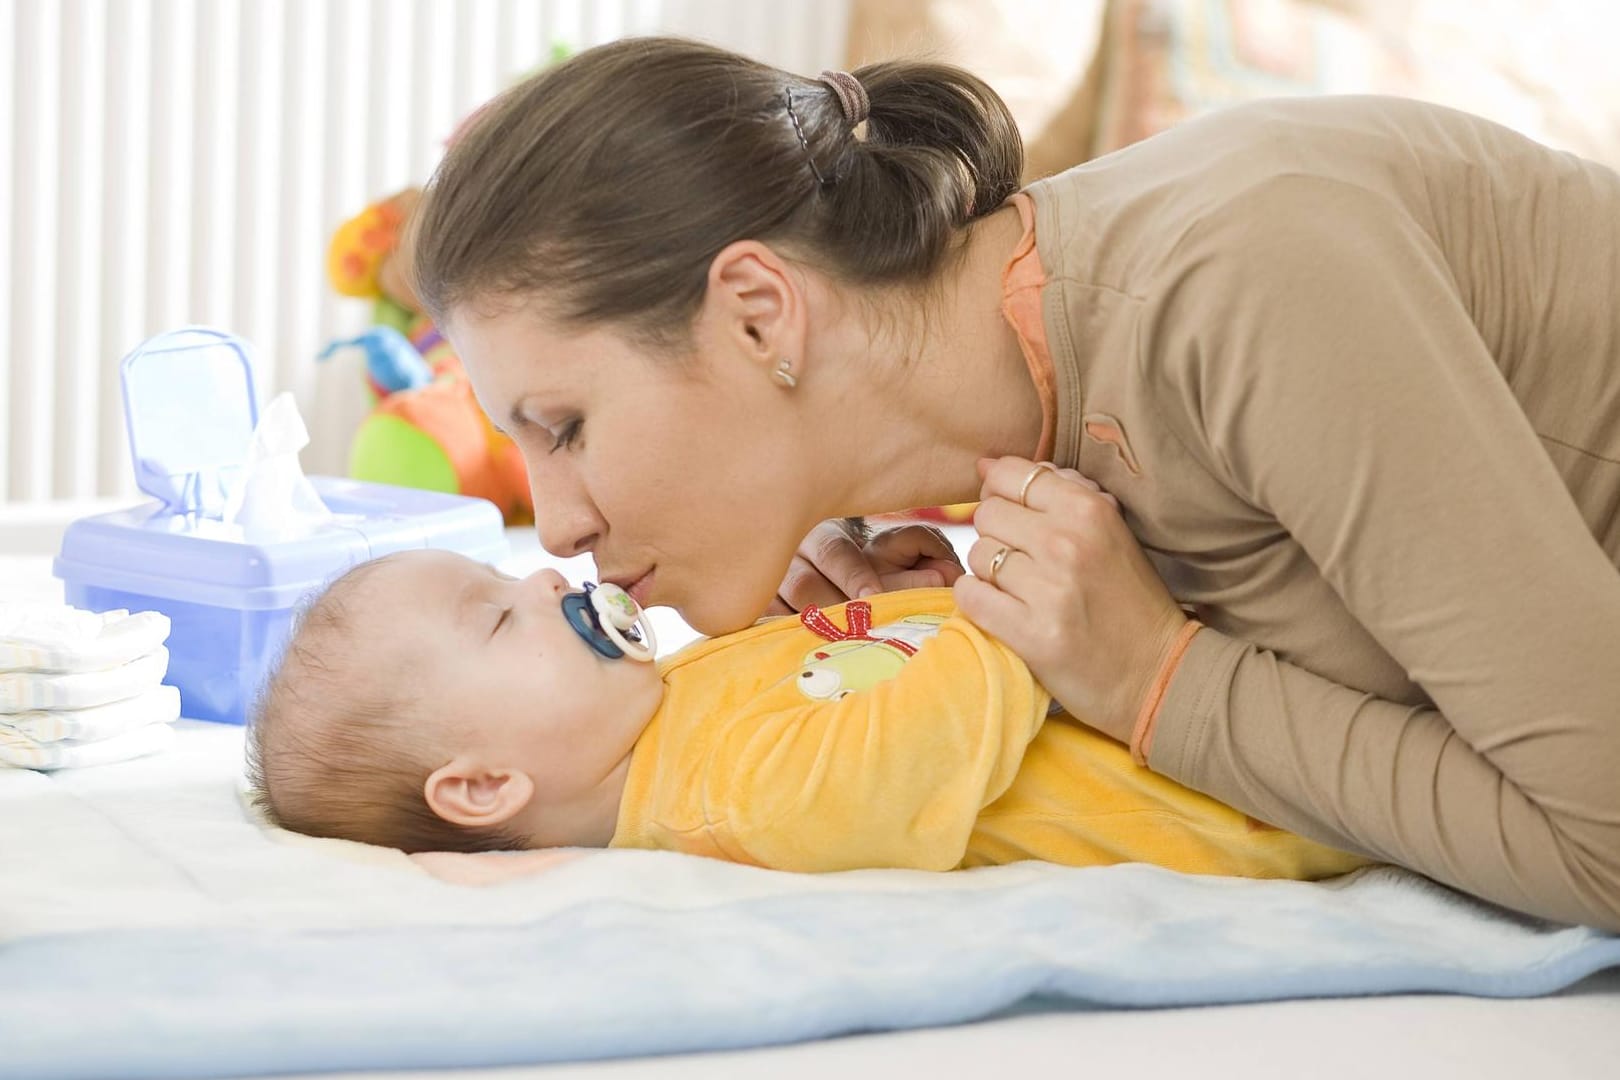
(951, 386)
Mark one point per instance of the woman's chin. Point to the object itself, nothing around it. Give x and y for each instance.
(713, 615)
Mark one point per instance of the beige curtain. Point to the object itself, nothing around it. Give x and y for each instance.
(1038, 54)
(1084, 77)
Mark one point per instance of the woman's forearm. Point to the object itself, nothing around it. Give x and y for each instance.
(1396, 782)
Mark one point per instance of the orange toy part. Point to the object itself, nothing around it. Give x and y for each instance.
(363, 243)
(486, 463)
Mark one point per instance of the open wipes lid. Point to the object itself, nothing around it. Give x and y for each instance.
(190, 406)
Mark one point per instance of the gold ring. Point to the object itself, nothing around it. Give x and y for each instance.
(995, 564)
(1023, 492)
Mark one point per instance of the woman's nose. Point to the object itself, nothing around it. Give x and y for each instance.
(565, 519)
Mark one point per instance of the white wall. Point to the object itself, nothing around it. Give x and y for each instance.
(186, 161)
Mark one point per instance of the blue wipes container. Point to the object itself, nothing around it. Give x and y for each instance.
(231, 596)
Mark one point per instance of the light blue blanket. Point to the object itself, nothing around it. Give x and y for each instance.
(610, 976)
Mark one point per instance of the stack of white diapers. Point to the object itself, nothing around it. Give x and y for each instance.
(81, 687)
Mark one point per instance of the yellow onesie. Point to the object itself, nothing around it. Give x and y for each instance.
(894, 733)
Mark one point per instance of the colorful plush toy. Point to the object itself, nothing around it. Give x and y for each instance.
(426, 429)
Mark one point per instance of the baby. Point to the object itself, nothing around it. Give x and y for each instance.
(430, 703)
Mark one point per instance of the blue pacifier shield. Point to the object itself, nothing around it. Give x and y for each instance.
(581, 615)
(611, 622)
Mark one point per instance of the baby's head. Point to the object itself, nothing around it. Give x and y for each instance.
(430, 703)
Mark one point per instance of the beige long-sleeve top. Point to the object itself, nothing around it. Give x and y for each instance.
(1352, 368)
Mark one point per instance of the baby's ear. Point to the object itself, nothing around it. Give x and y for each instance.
(472, 795)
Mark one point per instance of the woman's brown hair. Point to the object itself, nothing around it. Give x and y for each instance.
(606, 185)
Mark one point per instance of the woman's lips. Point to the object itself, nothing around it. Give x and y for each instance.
(641, 587)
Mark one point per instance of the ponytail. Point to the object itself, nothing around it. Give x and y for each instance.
(940, 149)
(607, 184)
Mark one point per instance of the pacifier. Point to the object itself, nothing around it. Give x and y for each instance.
(610, 621)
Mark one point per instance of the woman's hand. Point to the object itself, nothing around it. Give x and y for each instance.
(1074, 595)
(832, 566)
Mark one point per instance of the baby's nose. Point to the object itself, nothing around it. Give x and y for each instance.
(550, 581)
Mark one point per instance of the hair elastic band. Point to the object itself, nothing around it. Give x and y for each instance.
(851, 95)
(853, 102)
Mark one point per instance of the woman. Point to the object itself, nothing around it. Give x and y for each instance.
(1340, 377)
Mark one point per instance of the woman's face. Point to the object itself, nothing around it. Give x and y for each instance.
(688, 480)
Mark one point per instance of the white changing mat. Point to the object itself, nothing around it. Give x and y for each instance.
(250, 951)
(133, 897)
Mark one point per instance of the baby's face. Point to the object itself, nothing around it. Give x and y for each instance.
(494, 663)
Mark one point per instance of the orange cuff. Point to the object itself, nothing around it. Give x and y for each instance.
(1142, 730)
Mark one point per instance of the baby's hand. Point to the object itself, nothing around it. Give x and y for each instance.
(488, 868)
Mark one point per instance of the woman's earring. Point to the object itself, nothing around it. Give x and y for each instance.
(784, 373)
